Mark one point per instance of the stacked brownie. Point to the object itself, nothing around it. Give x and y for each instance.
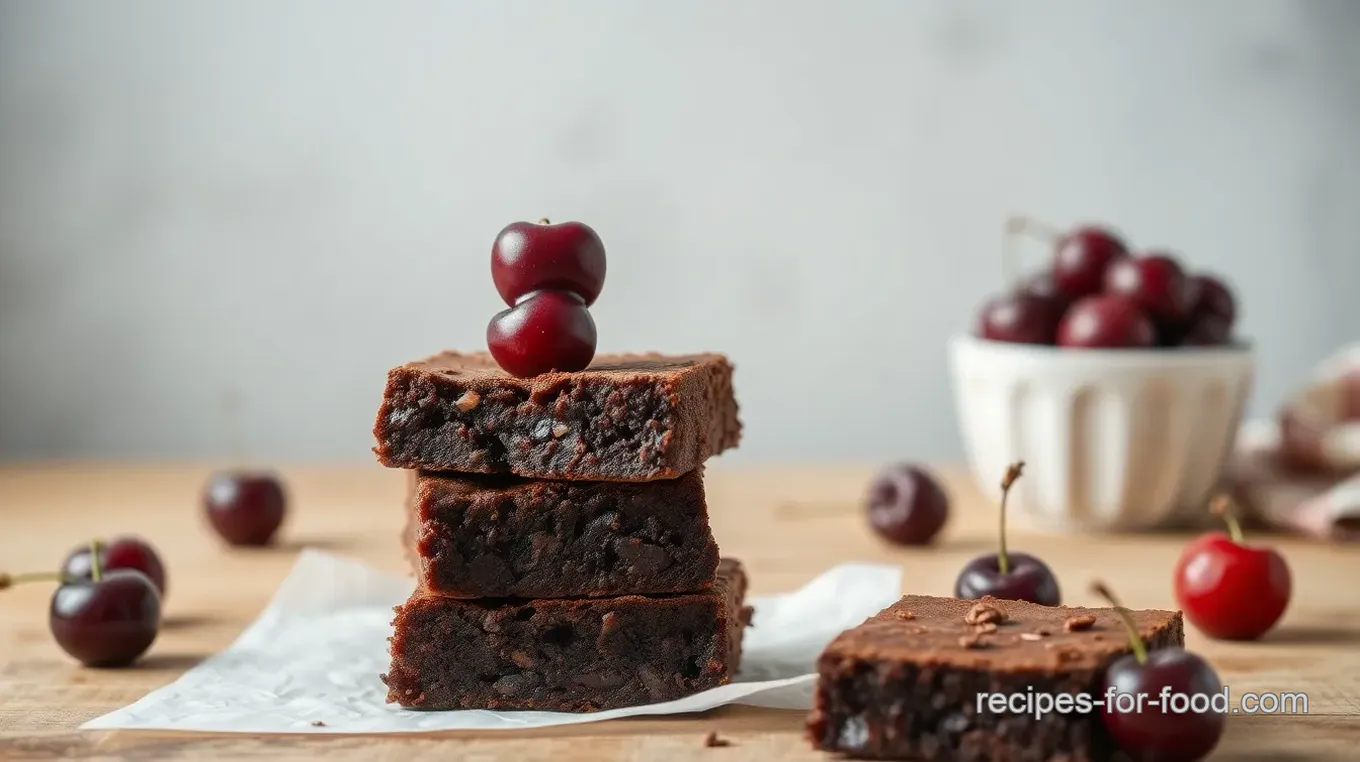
(559, 532)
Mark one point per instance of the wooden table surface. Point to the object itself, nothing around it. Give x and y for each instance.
(787, 523)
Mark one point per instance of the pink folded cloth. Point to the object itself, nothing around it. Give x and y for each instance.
(1301, 472)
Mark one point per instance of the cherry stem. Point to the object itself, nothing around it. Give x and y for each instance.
(1003, 562)
(1135, 641)
(544, 221)
(1017, 226)
(1221, 506)
(95, 571)
(10, 580)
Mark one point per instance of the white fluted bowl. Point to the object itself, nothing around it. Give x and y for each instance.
(1113, 440)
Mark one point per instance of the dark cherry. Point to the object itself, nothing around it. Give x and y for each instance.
(246, 508)
(1043, 285)
(1020, 318)
(1182, 713)
(1081, 258)
(1106, 321)
(1213, 297)
(1155, 283)
(119, 553)
(528, 257)
(107, 621)
(1007, 575)
(907, 505)
(546, 331)
(1213, 311)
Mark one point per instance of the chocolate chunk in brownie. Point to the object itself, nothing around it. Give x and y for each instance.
(477, 536)
(909, 688)
(625, 418)
(566, 655)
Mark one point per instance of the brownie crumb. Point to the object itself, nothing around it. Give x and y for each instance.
(1079, 623)
(1043, 632)
(982, 613)
(318, 724)
(1031, 636)
(747, 615)
(904, 614)
(712, 741)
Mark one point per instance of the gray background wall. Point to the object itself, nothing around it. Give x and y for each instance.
(280, 200)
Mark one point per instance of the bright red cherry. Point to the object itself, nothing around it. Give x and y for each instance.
(1005, 575)
(119, 553)
(1106, 321)
(907, 505)
(1020, 318)
(529, 257)
(1081, 258)
(1155, 283)
(1228, 589)
(546, 331)
(1174, 708)
(245, 508)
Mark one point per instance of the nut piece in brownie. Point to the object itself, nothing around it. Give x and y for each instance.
(625, 418)
(477, 536)
(567, 655)
(913, 681)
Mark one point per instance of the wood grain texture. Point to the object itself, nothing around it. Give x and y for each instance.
(787, 523)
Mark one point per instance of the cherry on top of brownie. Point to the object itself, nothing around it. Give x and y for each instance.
(994, 634)
(628, 417)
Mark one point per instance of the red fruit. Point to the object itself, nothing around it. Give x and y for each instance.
(546, 331)
(106, 623)
(1155, 283)
(1166, 705)
(906, 505)
(1081, 258)
(119, 553)
(1045, 286)
(1106, 321)
(1212, 313)
(245, 508)
(1008, 575)
(1228, 589)
(529, 257)
(1020, 318)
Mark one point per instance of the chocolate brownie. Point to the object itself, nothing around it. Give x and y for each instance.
(912, 681)
(567, 655)
(478, 536)
(625, 418)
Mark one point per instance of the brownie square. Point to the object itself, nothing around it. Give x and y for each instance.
(567, 655)
(906, 683)
(625, 418)
(508, 537)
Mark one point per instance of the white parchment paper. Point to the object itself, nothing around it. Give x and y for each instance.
(310, 662)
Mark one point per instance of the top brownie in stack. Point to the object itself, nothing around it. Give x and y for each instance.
(627, 418)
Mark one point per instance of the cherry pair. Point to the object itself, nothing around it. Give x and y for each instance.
(106, 611)
(549, 275)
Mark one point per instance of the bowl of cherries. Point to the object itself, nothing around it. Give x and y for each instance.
(1116, 373)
